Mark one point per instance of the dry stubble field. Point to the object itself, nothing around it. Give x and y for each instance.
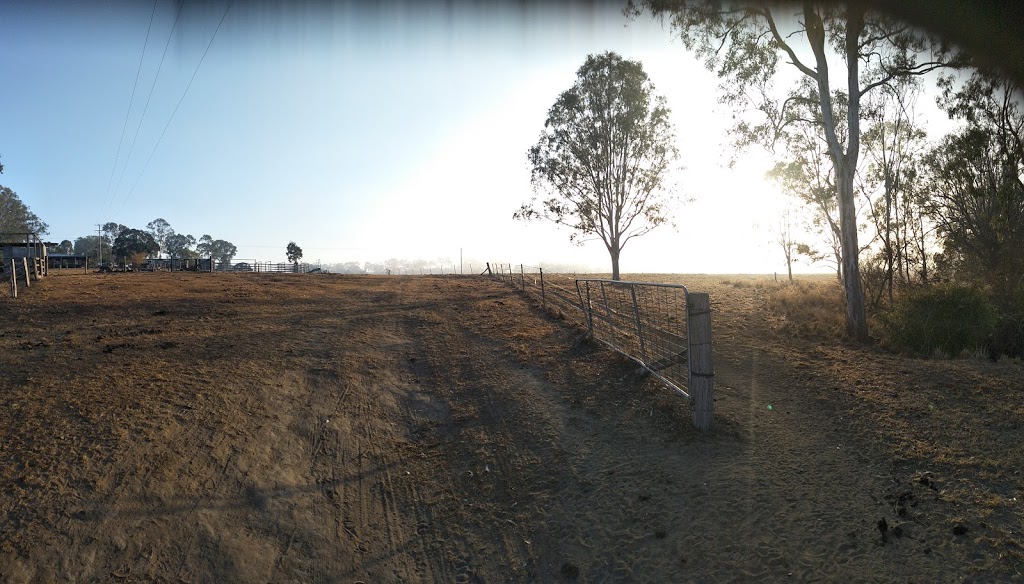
(257, 428)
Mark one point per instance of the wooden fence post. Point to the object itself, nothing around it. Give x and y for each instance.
(24, 263)
(14, 281)
(702, 372)
(522, 277)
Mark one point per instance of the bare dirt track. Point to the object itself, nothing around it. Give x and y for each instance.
(254, 428)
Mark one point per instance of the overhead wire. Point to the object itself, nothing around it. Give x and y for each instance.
(187, 87)
(159, 67)
(131, 101)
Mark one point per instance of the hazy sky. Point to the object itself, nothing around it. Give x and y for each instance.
(361, 134)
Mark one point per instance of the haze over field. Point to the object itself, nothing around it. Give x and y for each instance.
(362, 133)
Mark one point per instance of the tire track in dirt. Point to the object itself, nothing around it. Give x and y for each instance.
(469, 434)
(375, 510)
(524, 456)
(429, 430)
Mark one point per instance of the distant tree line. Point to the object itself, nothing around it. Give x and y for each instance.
(158, 239)
(116, 240)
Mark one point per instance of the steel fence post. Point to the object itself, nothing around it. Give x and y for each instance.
(590, 312)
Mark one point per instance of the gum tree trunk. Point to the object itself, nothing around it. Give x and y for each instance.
(845, 162)
(856, 317)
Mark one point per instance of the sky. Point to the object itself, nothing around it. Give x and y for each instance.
(362, 132)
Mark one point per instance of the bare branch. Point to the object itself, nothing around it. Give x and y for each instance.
(785, 46)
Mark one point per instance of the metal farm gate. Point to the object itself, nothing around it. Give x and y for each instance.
(663, 327)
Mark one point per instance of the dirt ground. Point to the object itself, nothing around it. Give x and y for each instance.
(318, 428)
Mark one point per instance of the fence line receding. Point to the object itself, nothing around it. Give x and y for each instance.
(556, 292)
(663, 327)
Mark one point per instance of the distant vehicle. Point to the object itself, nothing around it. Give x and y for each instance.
(242, 267)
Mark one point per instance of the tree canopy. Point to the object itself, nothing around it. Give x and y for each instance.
(977, 195)
(132, 242)
(15, 216)
(294, 252)
(111, 230)
(160, 229)
(746, 41)
(179, 246)
(92, 246)
(219, 250)
(603, 157)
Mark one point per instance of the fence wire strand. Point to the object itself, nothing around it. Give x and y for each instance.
(644, 321)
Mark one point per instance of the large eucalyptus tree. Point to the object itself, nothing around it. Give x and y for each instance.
(750, 44)
(603, 156)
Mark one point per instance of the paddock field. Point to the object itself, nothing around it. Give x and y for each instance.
(182, 427)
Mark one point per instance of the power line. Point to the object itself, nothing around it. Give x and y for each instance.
(128, 114)
(131, 149)
(194, 73)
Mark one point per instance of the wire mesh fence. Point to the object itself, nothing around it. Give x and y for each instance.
(647, 322)
(644, 321)
(555, 292)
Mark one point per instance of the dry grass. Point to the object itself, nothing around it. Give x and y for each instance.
(198, 427)
(812, 308)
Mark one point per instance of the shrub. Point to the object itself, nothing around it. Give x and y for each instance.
(1008, 337)
(947, 318)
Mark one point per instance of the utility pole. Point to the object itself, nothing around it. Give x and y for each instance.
(99, 244)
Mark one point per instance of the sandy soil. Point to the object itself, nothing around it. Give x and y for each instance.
(218, 428)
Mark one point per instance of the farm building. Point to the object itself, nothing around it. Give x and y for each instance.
(66, 260)
(15, 246)
(22, 258)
